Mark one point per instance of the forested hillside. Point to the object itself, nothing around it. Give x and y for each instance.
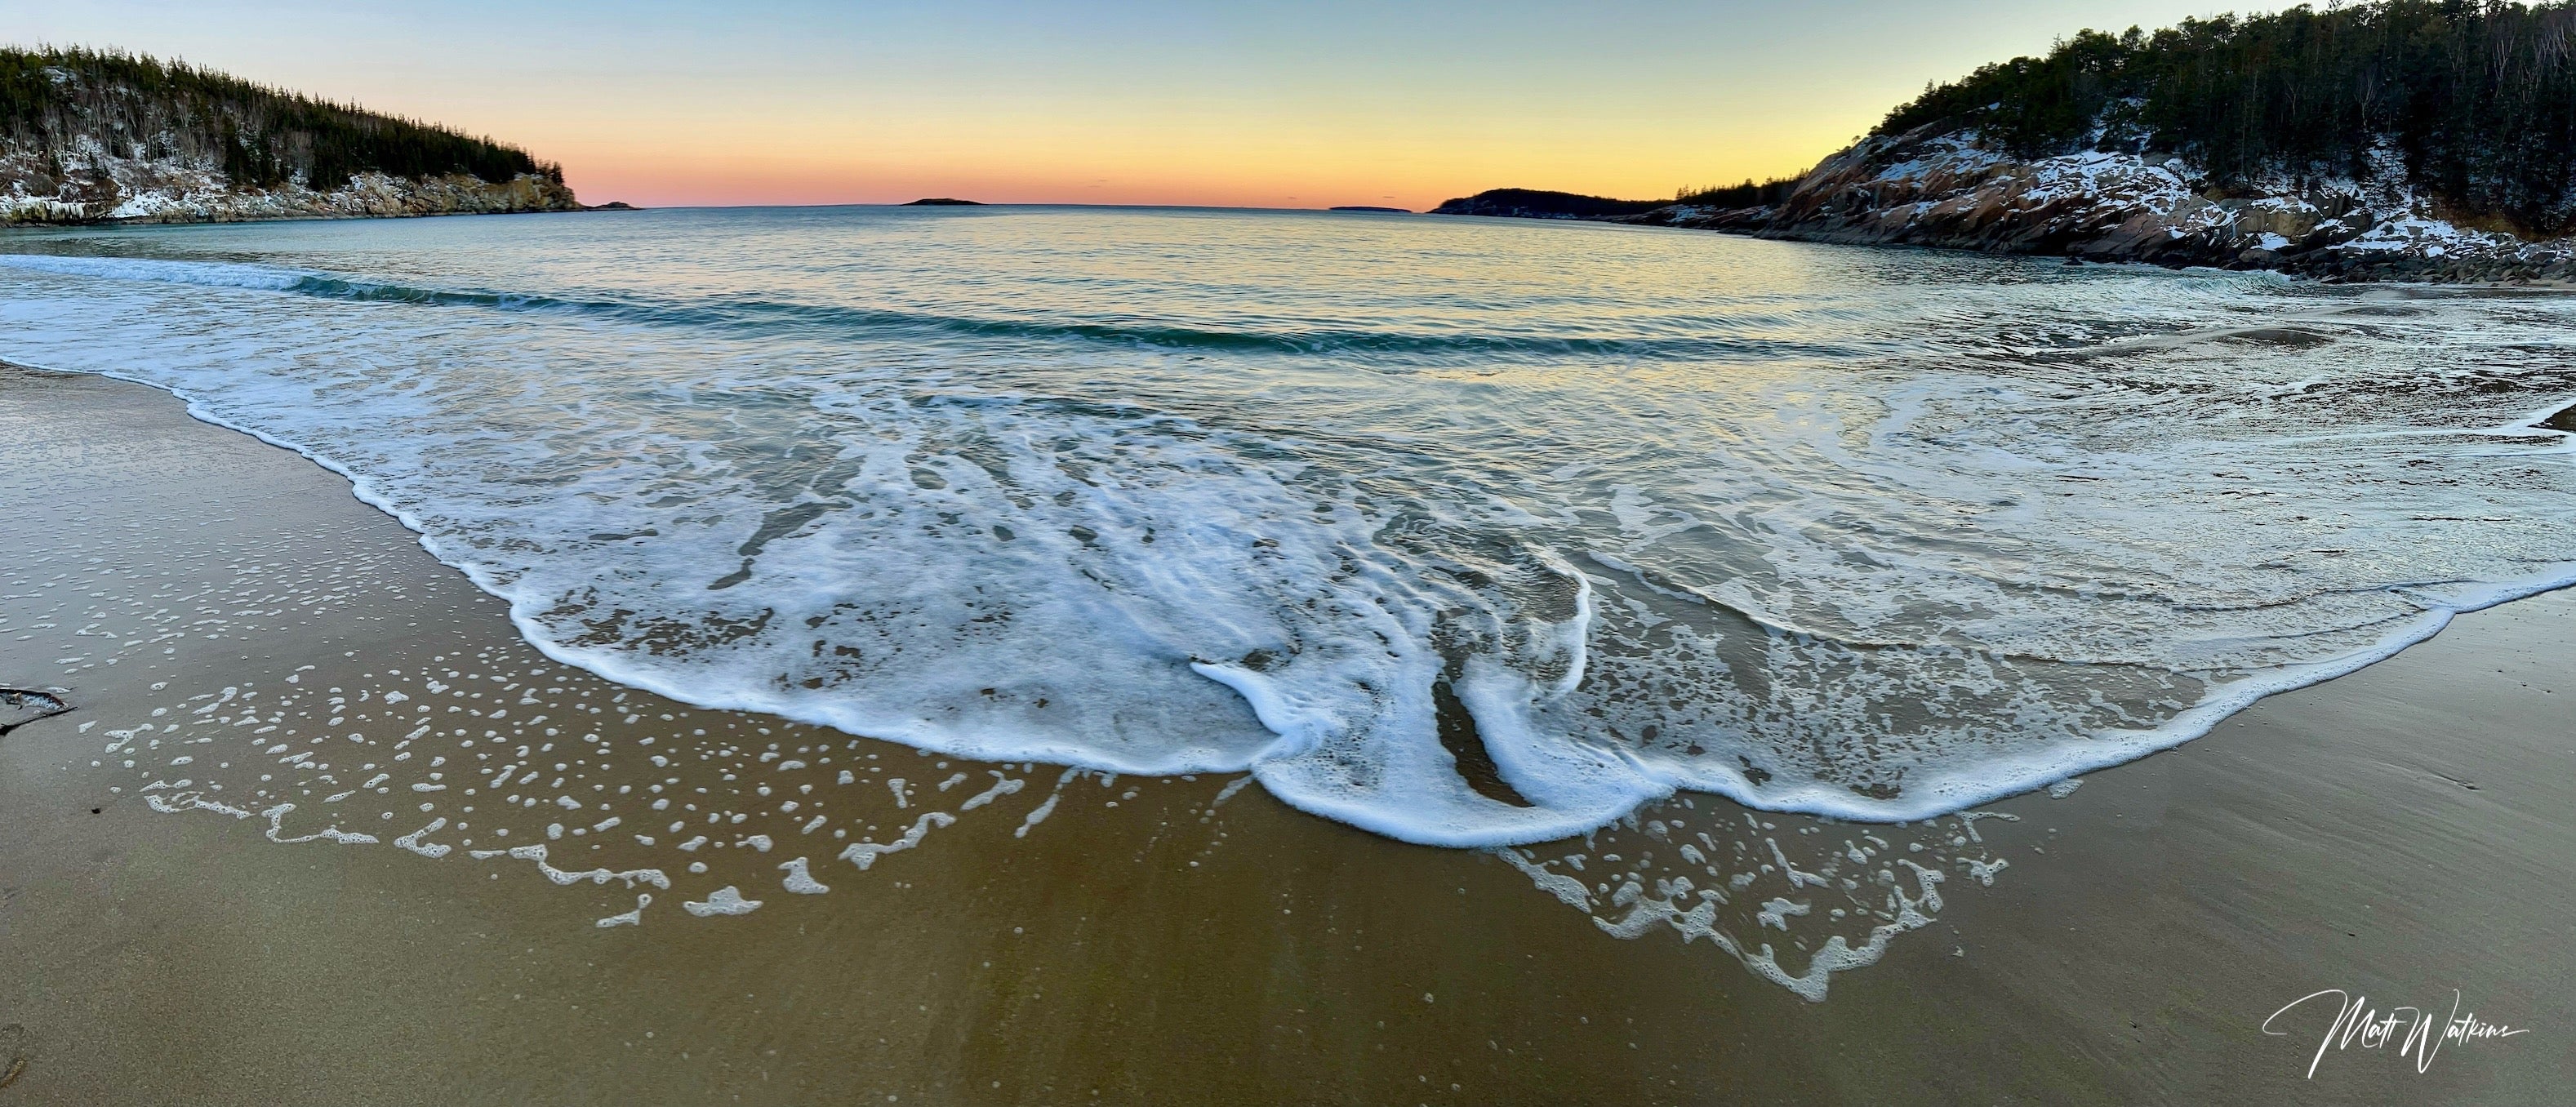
(87, 135)
(2477, 99)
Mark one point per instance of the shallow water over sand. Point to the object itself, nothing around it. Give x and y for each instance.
(254, 659)
(1464, 532)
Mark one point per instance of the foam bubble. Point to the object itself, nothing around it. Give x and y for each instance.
(727, 900)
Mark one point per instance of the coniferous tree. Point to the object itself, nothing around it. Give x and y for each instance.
(2475, 99)
(264, 136)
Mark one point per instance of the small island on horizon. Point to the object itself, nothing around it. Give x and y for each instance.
(942, 202)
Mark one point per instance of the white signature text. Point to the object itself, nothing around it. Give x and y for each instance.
(2415, 1031)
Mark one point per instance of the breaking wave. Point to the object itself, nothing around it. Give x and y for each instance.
(756, 315)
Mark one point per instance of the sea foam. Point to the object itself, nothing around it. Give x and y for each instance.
(1472, 559)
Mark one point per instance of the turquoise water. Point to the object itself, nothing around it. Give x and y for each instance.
(1464, 531)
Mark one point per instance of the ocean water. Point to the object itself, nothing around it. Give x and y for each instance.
(1466, 532)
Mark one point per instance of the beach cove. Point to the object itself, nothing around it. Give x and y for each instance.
(1167, 949)
(2063, 598)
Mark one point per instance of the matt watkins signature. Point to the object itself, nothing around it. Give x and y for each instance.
(2415, 1031)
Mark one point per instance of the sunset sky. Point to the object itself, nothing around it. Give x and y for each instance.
(1254, 104)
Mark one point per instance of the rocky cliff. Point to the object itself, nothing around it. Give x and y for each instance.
(84, 183)
(89, 137)
(1953, 189)
(1948, 187)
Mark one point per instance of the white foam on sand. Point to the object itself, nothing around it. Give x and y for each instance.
(802, 882)
(1890, 589)
(723, 901)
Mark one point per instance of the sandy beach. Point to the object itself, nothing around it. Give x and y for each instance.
(2401, 833)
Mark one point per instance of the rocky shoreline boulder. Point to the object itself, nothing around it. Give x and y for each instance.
(367, 196)
(1952, 190)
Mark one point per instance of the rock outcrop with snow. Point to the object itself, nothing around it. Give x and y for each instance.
(85, 183)
(1951, 190)
(90, 137)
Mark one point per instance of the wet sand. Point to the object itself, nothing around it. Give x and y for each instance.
(2402, 832)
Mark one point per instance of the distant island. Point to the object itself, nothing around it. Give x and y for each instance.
(1532, 203)
(2396, 140)
(100, 136)
(944, 202)
(1367, 207)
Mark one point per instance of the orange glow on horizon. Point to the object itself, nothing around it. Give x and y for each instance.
(1303, 163)
(1318, 104)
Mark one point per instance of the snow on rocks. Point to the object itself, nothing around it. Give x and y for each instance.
(1951, 189)
(82, 181)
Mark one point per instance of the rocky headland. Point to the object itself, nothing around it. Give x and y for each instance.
(90, 137)
(1954, 190)
(2399, 140)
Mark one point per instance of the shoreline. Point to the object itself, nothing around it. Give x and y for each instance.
(143, 221)
(1178, 946)
(2112, 752)
(2512, 284)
